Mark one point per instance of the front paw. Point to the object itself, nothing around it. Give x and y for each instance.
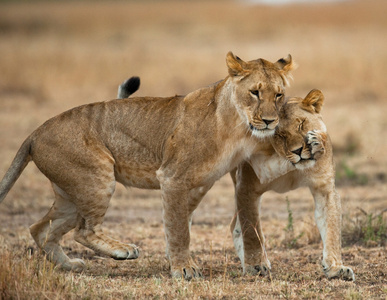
(315, 139)
(257, 270)
(186, 271)
(340, 272)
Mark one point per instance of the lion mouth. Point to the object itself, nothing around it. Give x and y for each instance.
(303, 164)
(252, 127)
(264, 132)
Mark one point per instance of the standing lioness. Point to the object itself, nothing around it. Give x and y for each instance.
(181, 145)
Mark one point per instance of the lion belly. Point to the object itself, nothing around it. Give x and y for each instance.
(135, 165)
(137, 174)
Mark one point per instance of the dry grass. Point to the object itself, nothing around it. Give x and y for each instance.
(296, 272)
(56, 55)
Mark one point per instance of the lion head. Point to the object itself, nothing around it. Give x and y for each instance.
(258, 91)
(298, 117)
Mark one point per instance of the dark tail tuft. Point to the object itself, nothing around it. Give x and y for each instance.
(128, 87)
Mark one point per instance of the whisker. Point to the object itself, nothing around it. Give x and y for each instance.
(238, 124)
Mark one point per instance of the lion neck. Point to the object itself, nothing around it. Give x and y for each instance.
(233, 131)
(228, 115)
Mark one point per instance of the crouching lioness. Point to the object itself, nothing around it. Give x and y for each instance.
(301, 137)
(180, 145)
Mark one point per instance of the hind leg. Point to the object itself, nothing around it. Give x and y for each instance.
(92, 205)
(47, 233)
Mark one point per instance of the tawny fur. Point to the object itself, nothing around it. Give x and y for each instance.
(301, 137)
(180, 144)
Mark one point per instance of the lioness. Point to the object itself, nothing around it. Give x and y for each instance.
(297, 117)
(180, 144)
(302, 139)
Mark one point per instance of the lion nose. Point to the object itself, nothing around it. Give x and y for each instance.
(298, 151)
(268, 122)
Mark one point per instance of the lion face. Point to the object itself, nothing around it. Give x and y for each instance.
(299, 116)
(259, 88)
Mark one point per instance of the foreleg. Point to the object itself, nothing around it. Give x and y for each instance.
(248, 237)
(328, 219)
(176, 217)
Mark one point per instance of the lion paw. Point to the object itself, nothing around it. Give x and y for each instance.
(315, 139)
(342, 272)
(130, 251)
(260, 270)
(75, 264)
(187, 272)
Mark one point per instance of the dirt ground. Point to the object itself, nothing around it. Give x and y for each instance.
(57, 55)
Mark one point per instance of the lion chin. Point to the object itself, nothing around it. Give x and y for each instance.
(305, 164)
(261, 133)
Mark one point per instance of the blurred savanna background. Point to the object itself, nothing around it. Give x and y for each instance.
(55, 55)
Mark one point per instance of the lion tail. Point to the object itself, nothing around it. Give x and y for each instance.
(128, 87)
(21, 160)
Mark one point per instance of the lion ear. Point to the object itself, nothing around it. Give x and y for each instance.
(314, 100)
(235, 65)
(286, 65)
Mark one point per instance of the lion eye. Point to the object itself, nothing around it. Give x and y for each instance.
(279, 96)
(255, 93)
(301, 126)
